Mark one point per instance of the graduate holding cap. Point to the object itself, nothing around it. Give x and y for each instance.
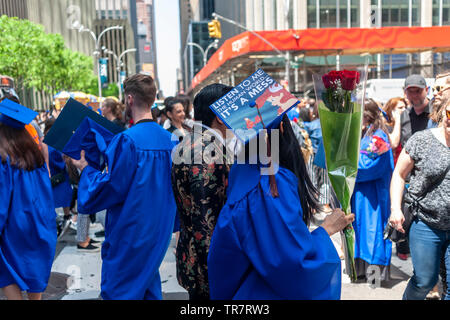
(27, 215)
(261, 247)
(136, 190)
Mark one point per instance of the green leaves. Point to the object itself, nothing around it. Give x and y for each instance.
(37, 59)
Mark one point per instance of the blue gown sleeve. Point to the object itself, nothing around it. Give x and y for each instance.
(296, 264)
(373, 166)
(101, 190)
(5, 194)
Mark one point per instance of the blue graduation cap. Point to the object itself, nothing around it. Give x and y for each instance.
(93, 139)
(15, 115)
(70, 119)
(258, 102)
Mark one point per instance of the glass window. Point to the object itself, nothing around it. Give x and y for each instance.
(445, 12)
(354, 10)
(312, 21)
(328, 13)
(396, 13)
(416, 8)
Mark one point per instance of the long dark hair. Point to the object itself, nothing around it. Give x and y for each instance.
(20, 148)
(291, 158)
(372, 112)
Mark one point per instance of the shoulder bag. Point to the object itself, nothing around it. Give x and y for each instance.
(410, 211)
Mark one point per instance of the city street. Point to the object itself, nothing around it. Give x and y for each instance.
(77, 276)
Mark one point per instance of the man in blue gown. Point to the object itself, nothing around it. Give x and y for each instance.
(136, 190)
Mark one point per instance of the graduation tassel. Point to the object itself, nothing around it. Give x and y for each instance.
(272, 180)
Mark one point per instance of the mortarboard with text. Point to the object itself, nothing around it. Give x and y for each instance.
(257, 103)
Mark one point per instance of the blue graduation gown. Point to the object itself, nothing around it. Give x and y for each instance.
(262, 249)
(136, 190)
(27, 228)
(62, 193)
(371, 204)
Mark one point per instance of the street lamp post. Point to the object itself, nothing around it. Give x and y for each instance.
(96, 53)
(204, 52)
(119, 65)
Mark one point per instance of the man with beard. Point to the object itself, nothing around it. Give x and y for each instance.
(136, 190)
(415, 118)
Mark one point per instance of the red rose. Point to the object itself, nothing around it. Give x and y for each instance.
(326, 81)
(330, 79)
(350, 80)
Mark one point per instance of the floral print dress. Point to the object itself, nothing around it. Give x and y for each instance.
(200, 193)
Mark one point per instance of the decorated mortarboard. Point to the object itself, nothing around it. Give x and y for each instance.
(93, 139)
(70, 119)
(258, 102)
(15, 115)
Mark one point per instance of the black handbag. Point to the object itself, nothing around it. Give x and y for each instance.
(58, 178)
(410, 209)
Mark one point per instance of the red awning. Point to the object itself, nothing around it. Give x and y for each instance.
(319, 42)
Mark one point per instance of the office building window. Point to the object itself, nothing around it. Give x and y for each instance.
(438, 11)
(354, 14)
(333, 13)
(328, 14)
(312, 14)
(397, 12)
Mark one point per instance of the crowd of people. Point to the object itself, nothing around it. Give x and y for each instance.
(238, 237)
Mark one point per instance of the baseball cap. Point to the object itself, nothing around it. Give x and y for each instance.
(415, 80)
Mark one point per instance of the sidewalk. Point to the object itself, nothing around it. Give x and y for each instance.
(83, 271)
(76, 275)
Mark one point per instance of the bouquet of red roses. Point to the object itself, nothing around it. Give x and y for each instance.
(340, 102)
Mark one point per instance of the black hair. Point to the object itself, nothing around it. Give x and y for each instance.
(171, 102)
(291, 158)
(186, 102)
(206, 97)
(48, 125)
(305, 114)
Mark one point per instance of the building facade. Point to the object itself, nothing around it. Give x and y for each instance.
(146, 37)
(266, 15)
(117, 13)
(194, 18)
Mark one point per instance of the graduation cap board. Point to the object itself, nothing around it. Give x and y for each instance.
(15, 115)
(256, 103)
(71, 127)
(93, 139)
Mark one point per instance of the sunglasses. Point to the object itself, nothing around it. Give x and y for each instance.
(438, 89)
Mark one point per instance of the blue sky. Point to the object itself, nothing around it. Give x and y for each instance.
(167, 28)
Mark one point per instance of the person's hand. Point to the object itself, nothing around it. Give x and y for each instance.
(396, 220)
(82, 163)
(396, 114)
(337, 221)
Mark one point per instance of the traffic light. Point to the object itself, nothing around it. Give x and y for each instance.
(214, 29)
